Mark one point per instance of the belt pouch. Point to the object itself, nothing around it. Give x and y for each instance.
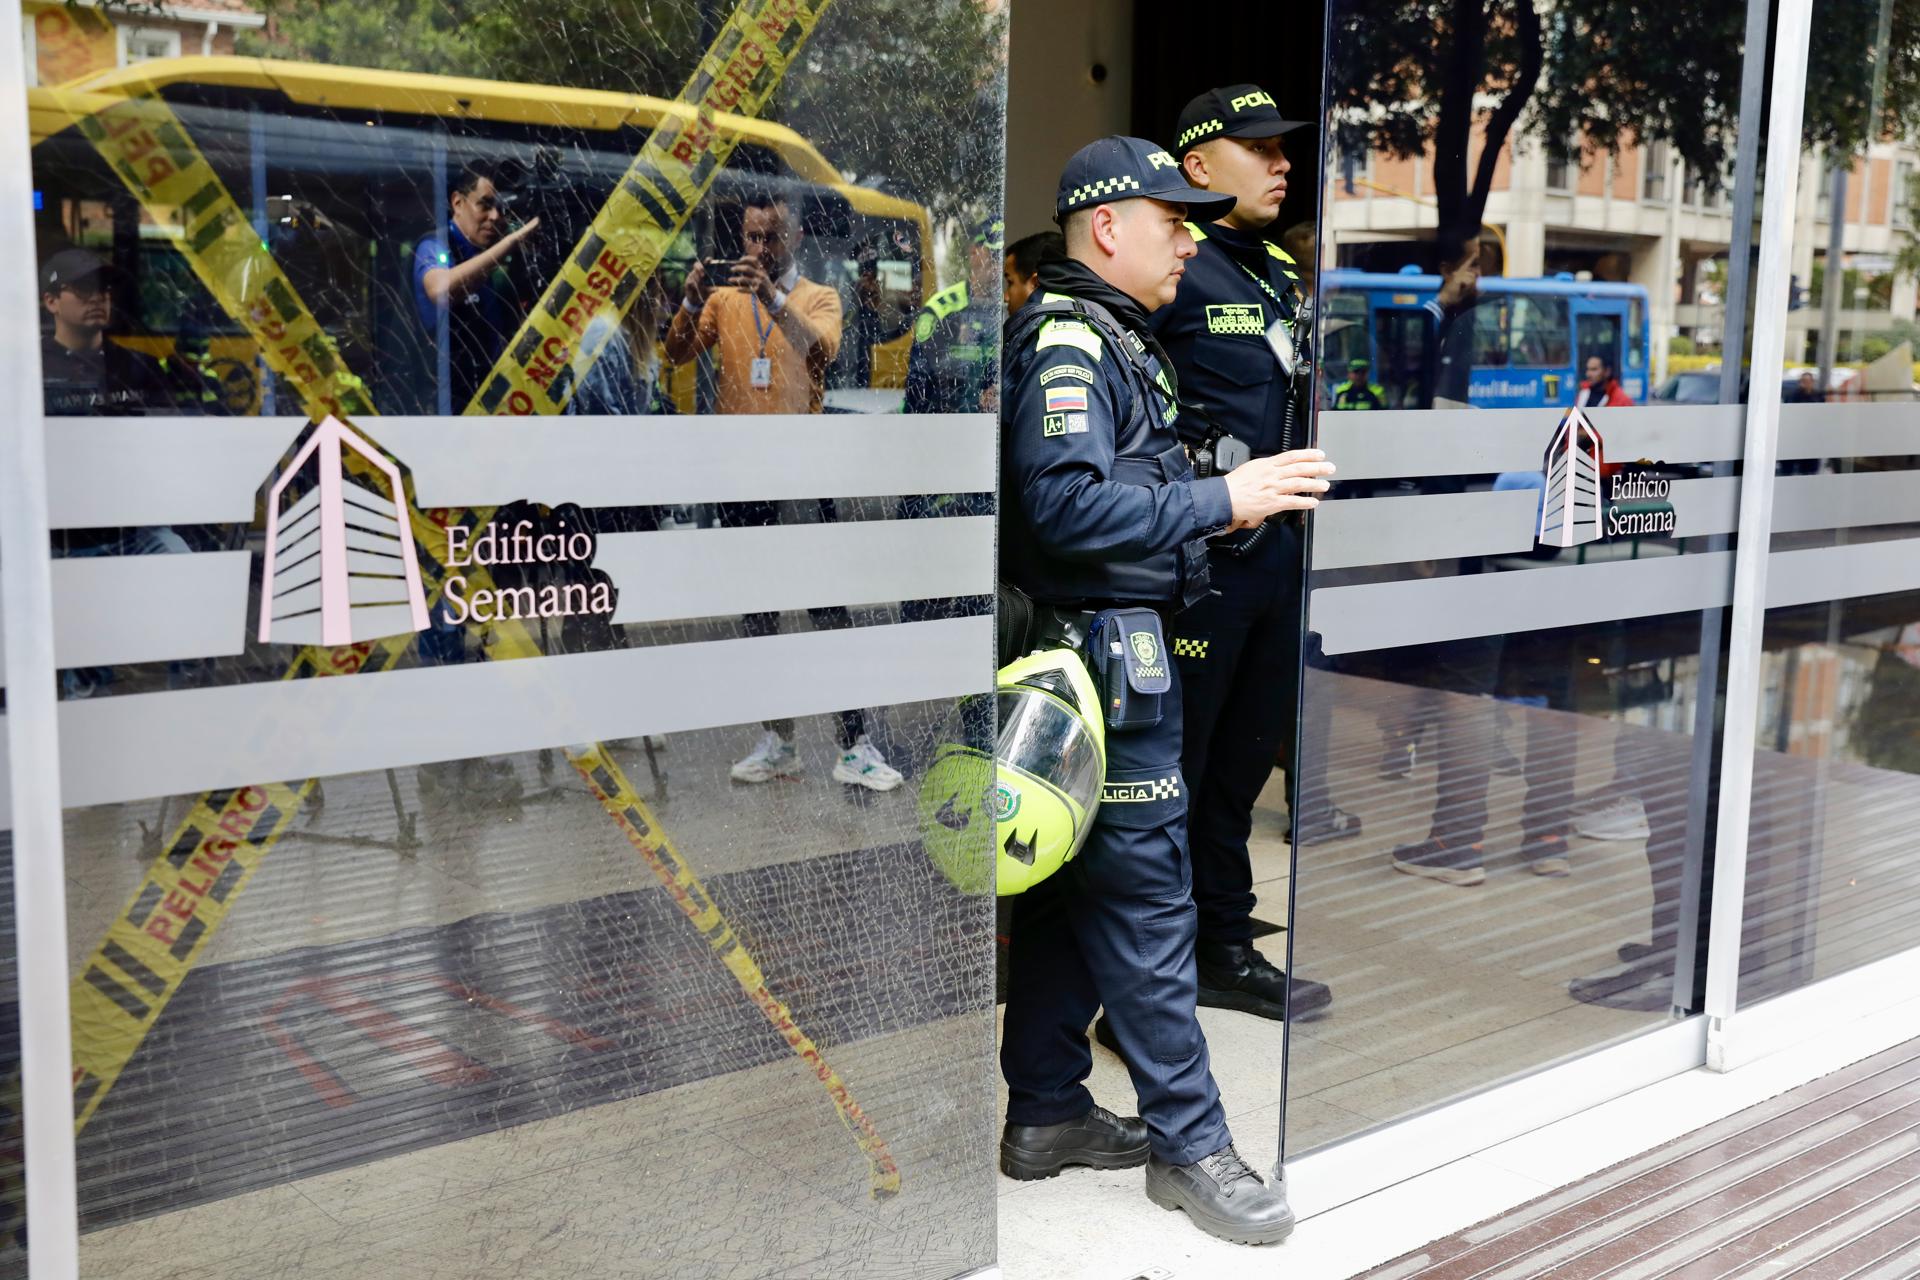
(1128, 655)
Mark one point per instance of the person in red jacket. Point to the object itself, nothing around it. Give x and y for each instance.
(1601, 386)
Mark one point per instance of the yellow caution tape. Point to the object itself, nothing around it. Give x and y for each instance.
(149, 149)
(155, 941)
(559, 343)
(619, 799)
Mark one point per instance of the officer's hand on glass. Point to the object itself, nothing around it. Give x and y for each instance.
(1291, 481)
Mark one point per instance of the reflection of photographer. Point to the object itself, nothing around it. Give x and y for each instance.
(459, 283)
(776, 332)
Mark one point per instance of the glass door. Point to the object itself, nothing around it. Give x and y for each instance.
(1518, 587)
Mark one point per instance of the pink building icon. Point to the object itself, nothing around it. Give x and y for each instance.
(1570, 508)
(340, 565)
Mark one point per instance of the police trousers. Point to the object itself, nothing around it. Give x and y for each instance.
(1115, 927)
(1239, 658)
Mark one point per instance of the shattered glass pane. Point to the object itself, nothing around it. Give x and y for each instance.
(498, 850)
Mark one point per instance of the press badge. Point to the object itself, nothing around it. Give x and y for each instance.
(762, 372)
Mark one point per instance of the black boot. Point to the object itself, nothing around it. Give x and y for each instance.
(1235, 976)
(1223, 1196)
(1099, 1140)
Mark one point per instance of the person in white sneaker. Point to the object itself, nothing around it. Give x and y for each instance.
(859, 764)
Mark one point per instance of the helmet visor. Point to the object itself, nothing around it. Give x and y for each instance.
(1042, 736)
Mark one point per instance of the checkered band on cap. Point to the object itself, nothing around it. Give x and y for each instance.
(1104, 187)
(1198, 131)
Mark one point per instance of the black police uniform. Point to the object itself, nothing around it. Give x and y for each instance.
(1100, 510)
(1239, 650)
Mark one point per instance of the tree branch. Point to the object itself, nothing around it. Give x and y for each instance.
(1501, 122)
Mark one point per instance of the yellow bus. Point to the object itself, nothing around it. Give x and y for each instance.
(344, 169)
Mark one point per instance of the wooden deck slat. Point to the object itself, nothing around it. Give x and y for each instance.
(1820, 1183)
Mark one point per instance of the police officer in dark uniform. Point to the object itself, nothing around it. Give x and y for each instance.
(954, 366)
(1103, 526)
(1239, 650)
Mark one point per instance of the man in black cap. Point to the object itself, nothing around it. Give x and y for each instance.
(1235, 334)
(83, 374)
(1103, 524)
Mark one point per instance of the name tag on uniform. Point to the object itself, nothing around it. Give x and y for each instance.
(762, 374)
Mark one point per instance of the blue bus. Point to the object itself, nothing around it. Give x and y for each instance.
(1531, 337)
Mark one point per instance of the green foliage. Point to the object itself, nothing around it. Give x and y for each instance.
(1608, 71)
(901, 94)
(1680, 345)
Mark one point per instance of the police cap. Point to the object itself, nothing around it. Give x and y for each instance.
(1120, 168)
(1237, 111)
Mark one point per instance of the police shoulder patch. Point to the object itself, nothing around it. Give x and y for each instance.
(1059, 371)
(923, 327)
(1068, 333)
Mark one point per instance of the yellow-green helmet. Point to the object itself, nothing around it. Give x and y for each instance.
(1040, 787)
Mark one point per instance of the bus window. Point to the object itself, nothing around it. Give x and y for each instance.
(343, 208)
(1344, 334)
(1600, 336)
(1403, 337)
(1490, 324)
(1636, 335)
(1540, 332)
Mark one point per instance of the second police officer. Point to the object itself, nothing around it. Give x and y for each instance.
(1103, 525)
(1239, 650)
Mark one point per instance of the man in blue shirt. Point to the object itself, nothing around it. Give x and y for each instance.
(467, 303)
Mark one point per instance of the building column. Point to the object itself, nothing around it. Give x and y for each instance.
(1526, 227)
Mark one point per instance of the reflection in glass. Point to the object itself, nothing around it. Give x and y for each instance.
(1514, 603)
(1828, 882)
(479, 1008)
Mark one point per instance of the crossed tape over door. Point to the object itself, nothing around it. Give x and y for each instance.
(120, 993)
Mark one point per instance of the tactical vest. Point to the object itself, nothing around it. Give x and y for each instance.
(1146, 452)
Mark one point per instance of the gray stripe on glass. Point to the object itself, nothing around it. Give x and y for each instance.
(729, 571)
(1853, 501)
(142, 745)
(110, 610)
(101, 470)
(1849, 430)
(1354, 533)
(113, 609)
(1446, 442)
(1387, 615)
(1818, 574)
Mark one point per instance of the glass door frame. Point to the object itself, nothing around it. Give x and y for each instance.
(1723, 1036)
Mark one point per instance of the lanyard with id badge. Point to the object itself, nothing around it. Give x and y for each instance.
(762, 374)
